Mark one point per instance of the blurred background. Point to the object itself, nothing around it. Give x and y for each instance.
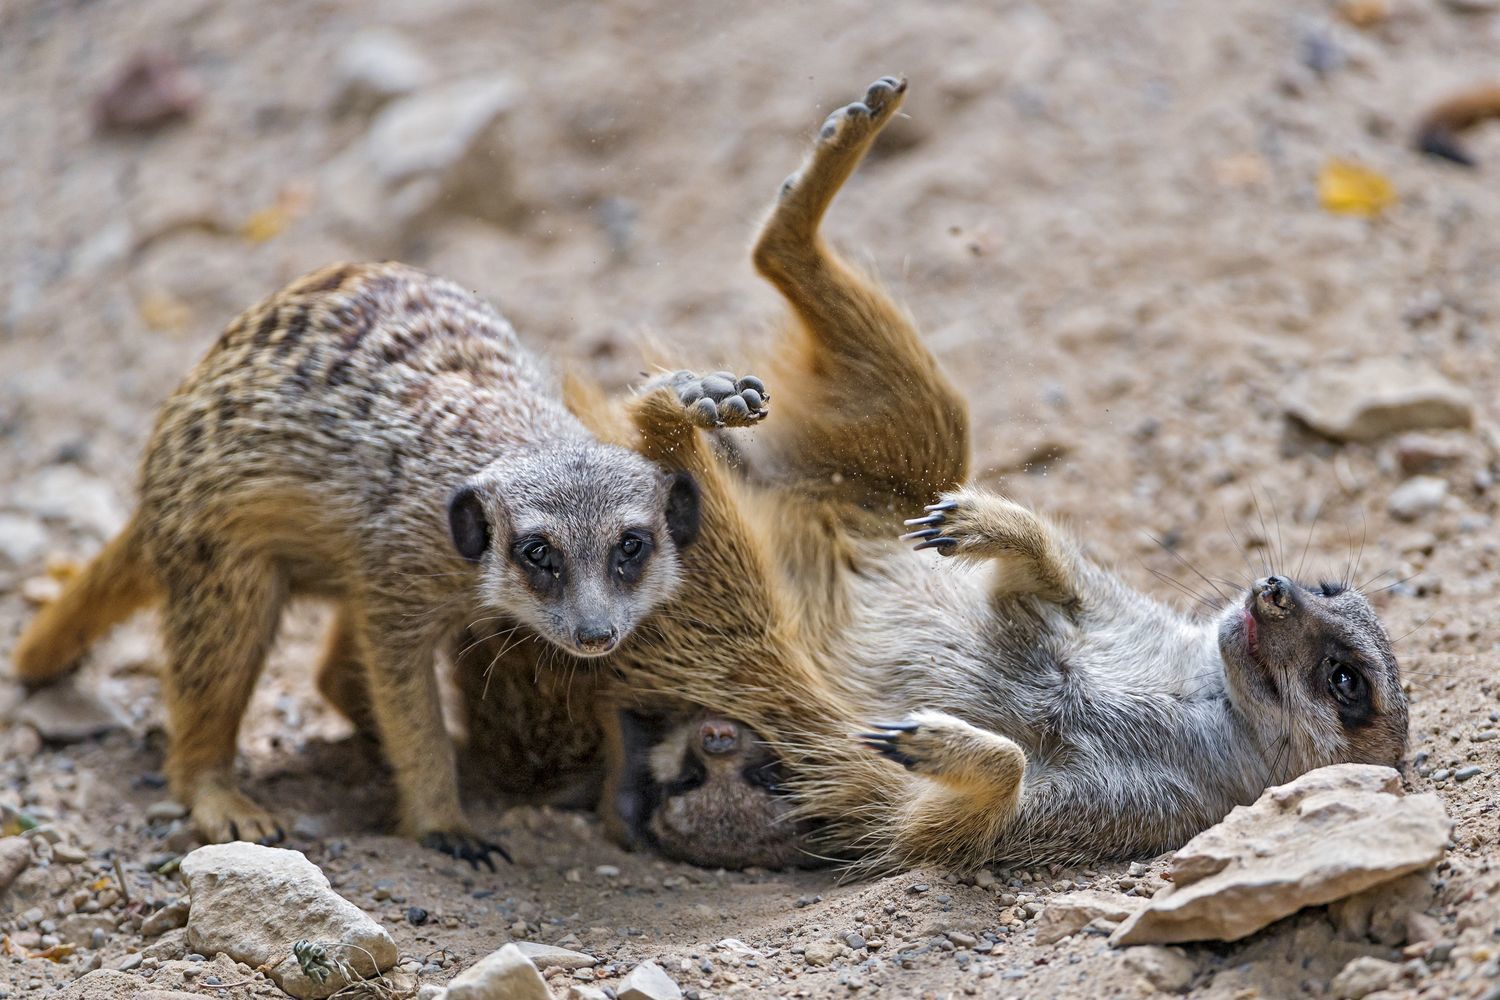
(1156, 242)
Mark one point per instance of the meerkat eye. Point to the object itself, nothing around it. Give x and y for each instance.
(1344, 681)
(1331, 589)
(630, 546)
(537, 552)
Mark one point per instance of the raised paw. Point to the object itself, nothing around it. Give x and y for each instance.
(722, 399)
(979, 524)
(465, 847)
(855, 123)
(225, 815)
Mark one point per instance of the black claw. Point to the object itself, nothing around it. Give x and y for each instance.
(898, 727)
(929, 519)
(944, 544)
(466, 849)
(912, 536)
(882, 738)
(945, 505)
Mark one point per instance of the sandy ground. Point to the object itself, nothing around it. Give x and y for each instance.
(1105, 219)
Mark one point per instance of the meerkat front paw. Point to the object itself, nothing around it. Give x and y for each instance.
(465, 846)
(721, 399)
(223, 815)
(948, 749)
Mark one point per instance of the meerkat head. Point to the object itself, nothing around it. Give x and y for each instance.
(706, 790)
(1313, 672)
(578, 542)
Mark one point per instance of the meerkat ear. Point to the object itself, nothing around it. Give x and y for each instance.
(468, 524)
(683, 503)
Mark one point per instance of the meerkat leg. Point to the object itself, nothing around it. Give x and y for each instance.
(976, 524)
(867, 415)
(974, 786)
(400, 662)
(342, 674)
(218, 628)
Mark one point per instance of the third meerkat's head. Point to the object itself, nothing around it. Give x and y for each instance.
(577, 541)
(1312, 670)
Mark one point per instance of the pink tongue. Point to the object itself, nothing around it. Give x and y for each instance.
(1250, 630)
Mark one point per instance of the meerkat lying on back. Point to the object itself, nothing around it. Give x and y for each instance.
(379, 437)
(1039, 708)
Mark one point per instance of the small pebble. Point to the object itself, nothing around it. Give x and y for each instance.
(1465, 773)
(416, 916)
(607, 871)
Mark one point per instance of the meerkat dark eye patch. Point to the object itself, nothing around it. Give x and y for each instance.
(683, 509)
(467, 523)
(1328, 588)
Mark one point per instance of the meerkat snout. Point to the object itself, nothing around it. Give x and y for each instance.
(579, 545)
(1274, 597)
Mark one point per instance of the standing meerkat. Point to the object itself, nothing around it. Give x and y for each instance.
(1039, 708)
(379, 437)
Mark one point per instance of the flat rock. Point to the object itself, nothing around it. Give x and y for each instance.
(15, 856)
(1363, 976)
(546, 956)
(648, 981)
(375, 67)
(1071, 912)
(441, 151)
(1376, 398)
(65, 712)
(1417, 496)
(506, 974)
(1331, 833)
(253, 903)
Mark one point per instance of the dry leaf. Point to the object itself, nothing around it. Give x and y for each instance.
(163, 312)
(1347, 188)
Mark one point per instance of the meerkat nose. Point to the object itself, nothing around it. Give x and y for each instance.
(1274, 592)
(596, 637)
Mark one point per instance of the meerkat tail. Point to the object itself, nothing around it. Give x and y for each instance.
(113, 586)
(1438, 132)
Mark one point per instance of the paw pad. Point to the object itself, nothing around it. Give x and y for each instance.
(722, 399)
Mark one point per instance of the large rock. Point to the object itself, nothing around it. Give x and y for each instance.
(1329, 834)
(1378, 397)
(439, 152)
(506, 974)
(1071, 912)
(254, 903)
